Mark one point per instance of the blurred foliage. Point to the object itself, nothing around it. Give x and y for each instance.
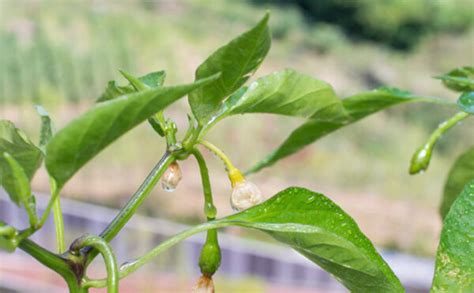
(397, 23)
(50, 53)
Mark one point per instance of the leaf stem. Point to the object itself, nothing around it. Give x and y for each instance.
(107, 253)
(135, 201)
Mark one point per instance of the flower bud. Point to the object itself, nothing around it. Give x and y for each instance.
(420, 160)
(171, 177)
(204, 285)
(245, 194)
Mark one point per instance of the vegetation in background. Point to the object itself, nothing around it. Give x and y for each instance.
(400, 24)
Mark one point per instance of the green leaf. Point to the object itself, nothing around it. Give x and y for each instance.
(356, 107)
(20, 186)
(152, 80)
(466, 102)
(461, 173)
(459, 79)
(321, 231)
(86, 136)
(46, 131)
(454, 270)
(237, 61)
(113, 91)
(22, 150)
(20, 189)
(289, 93)
(136, 83)
(149, 81)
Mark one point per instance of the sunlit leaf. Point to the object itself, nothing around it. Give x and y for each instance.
(356, 107)
(454, 270)
(87, 135)
(289, 93)
(460, 174)
(321, 231)
(237, 61)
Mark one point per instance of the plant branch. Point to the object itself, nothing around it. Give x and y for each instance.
(209, 208)
(135, 201)
(54, 194)
(58, 218)
(131, 266)
(445, 126)
(219, 153)
(210, 257)
(109, 258)
(234, 174)
(53, 261)
(59, 226)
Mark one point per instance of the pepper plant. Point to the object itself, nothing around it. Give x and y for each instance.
(307, 221)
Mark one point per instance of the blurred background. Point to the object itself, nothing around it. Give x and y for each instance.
(60, 54)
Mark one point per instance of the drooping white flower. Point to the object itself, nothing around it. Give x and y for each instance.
(245, 194)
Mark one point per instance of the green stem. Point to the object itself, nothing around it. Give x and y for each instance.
(32, 216)
(59, 225)
(209, 208)
(109, 258)
(135, 201)
(210, 257)
(422, 156)
(132, 266)
(235, 176)
(445, 126)
(54, 195)
(53, 261)
(218, 152)
(55, 204)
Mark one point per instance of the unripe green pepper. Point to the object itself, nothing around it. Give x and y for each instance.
(210, 258)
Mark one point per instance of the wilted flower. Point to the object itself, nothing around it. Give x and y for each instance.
(171, 177)
(245, 194)
(204, 285)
